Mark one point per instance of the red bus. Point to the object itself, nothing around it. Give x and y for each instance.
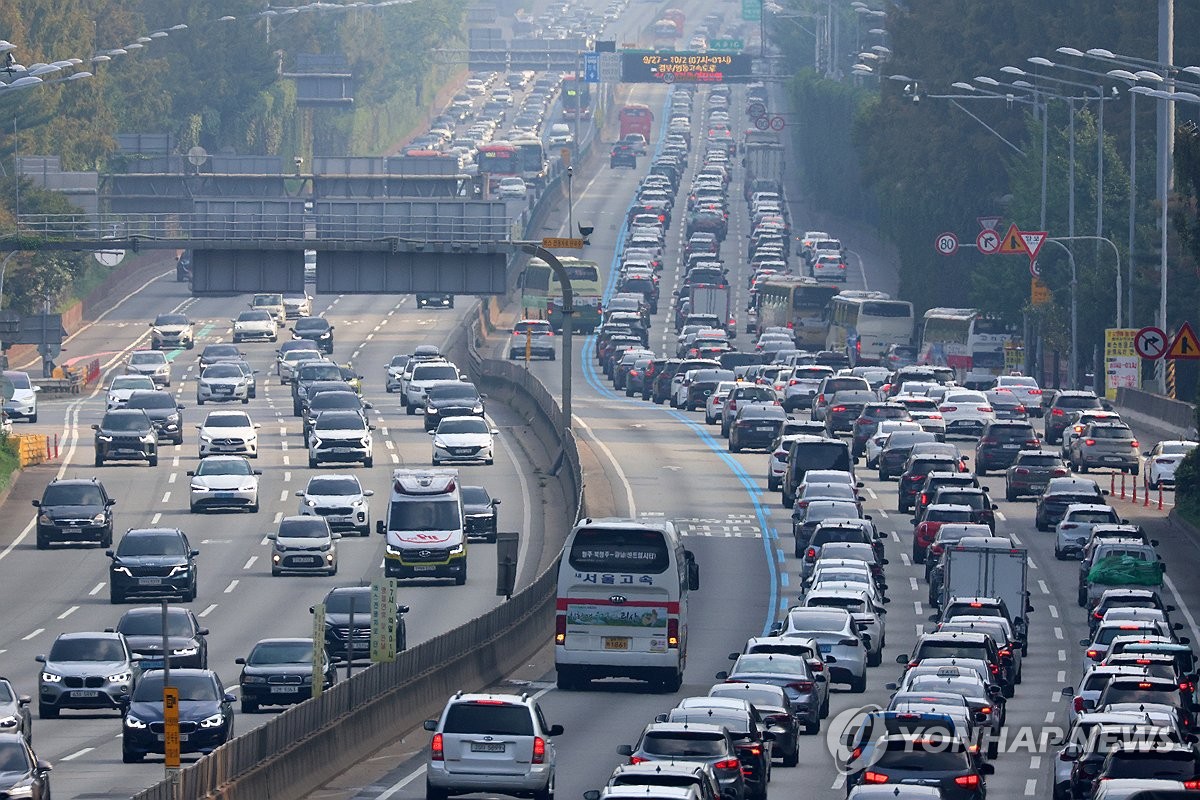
(498, 160)
(636, 118)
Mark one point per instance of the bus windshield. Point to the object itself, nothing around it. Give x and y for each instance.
(619, 550)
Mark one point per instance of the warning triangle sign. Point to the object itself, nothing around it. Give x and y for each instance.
(1185, 344)
(1013, 244)
(1033, 242)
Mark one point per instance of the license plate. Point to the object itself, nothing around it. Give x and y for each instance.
(85, 693)
(616, 643)
(825, 648)
(150, 581)
(1010, 446)
(424, 568)
(151, 663)
(183, 737)
(304, 559)
(462, 451)
(225, 494)
(764, 428)
(285, 689)
(487, 747)
(1112, 458)
(224, 390)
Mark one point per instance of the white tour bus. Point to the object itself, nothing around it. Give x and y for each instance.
(863, 324)
(622, 606)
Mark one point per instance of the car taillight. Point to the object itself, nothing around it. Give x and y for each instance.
(924, 498)
(915, 478)
(861, 421)
(673, 633)
(637, 760)
(1089, 442)
(1134, 444)
(1187, 686)
(718, 401)
(1193, 784)
(1022, 471)
(436, 752)
(802, 686)
(727, 763)
(1078, 704)
(874, 777)
(1057, 412)
(1059, 471)
(1035, 391)
(995, 670)
(1098, 615)
(793, 382)
(989, 440)
(984, 409)
(945, 409)
(539, 750)
(838, 409)
(1033, 442)
(801, 504)
(1093, 654)
(811, 553)
(970, 781)
(560, 629)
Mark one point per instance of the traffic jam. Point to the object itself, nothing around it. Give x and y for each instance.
(825, 420)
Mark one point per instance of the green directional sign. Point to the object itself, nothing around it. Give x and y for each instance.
(752, 10)
(726, 44)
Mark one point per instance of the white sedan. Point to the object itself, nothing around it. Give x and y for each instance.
(222, 382)
(224, 482)
(512, 188)
(123, 386)
(716, 402)
(966, 412)
(463, 439)
(255, 324)
(229, 432)
(1024, 389)
(1161, 461)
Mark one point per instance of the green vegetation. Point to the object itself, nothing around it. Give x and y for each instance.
(919, 168)
(10, 461)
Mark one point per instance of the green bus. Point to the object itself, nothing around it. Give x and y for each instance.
(540, 289)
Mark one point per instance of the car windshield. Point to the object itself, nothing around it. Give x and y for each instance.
(335, 399)
(255, 316)
(301, 355)
(151, 399)
(454, 391)
(163, 320)
(334, 486)
(136, 623)
(191, 687)
(339, 421)
(152, 357)
(810, 621)
(152, 543)
(72, 495)
(281, 653)
(13, 757)
(1178, 448)
(124, 422)
(127, 382)
(221, 351)
(1039, 461)
(311, 324)
(912, 756)
(758, 697)
(433, 515)
(340, 602)
(475, 495)
(435, 372)
(222, 371)
(462, 425)
(1093, 516)
(1110, 433)
(1072, 401)
(224, 466)
(304, 528)
(684, 745)
(490, 718)
(87, 650)
(1180, 765)
(321, 372)
(231, 419)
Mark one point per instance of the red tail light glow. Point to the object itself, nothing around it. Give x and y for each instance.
(1078, 704)
(970, 781)
(874, 777)
(637, 760)
(539, 750)
(728, 763)
(1058, 412)
(437, 753)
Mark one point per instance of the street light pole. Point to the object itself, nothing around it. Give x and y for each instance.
(1074, 312)
(568, 330)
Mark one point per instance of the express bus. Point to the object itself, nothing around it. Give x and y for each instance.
(621, 606)
(532, 156)
(498, 160)
(865, 323)
(799, 303)
(576, 97)
(585, 283)
(636, 118)
(963, 339)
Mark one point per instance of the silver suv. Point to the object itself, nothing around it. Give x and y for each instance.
(86, 671)
(495, 743)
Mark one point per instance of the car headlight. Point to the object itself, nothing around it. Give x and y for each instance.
(249, 487)
(359, 501)
(310, 503)
(430, 409)
(50, 677)
(8, 722)
(366, 441)
(257, 679)
(457, 549)
(439, 443)
(178, 569)
(393, 551)
(197, 487)
(44, 519)
(99, 519)
(149, 438)
(185, 651)
(100, 437)
(316, 442)
(119, 677)
(124, 571)
(477, 409)
(215, 721)
(172, 418)
(133, 722)
(207, 437)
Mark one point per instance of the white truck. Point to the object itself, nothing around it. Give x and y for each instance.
(710, 299)
(988, 567)
(764, 168)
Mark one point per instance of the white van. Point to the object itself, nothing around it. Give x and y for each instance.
(424, 526)
(622, 605)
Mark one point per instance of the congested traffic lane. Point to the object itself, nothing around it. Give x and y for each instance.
(238, 600)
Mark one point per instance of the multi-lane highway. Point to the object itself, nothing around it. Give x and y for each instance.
(666, 462)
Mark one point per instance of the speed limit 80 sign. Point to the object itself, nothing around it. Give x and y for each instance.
(946, 244)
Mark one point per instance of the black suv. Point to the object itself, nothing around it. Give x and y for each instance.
(868, 420)
(1001, 442)
(308, 373)
(186, 639)
(126, 434)
(912, 480)
(164, 411)
(1060, 493)
(152, 562)
(1059, 413)
(74, 509)
(1031, 471)
(343, 602)
(480, 515)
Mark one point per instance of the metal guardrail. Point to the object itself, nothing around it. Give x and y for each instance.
(304, 229)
